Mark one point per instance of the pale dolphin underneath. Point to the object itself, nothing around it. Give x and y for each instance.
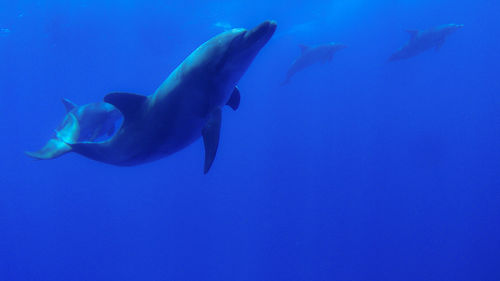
(88, 122)
(421, 41)
(186, 106)
(312, 55)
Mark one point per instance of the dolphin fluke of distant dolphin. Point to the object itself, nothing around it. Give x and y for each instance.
(424, 40)
(312, 55)
(185, 107)
(88, 122)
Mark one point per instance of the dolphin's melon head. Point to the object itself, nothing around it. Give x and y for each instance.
(235, 49)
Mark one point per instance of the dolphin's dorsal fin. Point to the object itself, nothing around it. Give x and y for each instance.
(69, 105)
(413, 33)
(234, 100)
(303, 48)
(210, 134)
(439, 44)
(128, 104)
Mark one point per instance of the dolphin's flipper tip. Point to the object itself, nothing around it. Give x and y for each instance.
(234, 100)
(211, 134)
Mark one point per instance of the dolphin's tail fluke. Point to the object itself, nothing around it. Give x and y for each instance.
(53, 149)
(286, 81)
(61, 143)
(393, 58)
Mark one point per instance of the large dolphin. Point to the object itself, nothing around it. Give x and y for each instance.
(88, 122)
(421, 41)
(312, 55)
(185, 107)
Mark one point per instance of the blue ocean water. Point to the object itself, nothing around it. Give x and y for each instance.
(358, 169)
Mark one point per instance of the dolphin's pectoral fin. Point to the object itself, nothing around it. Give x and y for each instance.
(127, 104)
(413, 33)
(210, 135)
(69, 105)
(53, 149)
(234, 100)
(303, 48)
(328, 58)
(439, 45)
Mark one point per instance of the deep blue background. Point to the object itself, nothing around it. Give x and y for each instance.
(358, 169)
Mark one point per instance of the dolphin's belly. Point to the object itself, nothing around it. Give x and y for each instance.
(427, 42)
(173, 126)
(160, 144)
(181, 135)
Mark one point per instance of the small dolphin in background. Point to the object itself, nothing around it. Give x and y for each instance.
(223, 25)
(421, 41)
(4, 31)
(187, 106)
(88, 122)
(311, 55)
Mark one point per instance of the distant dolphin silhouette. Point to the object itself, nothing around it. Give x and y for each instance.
(185, 107)
(224, 25)
(88, 122)
(312, 55)
(421, 41)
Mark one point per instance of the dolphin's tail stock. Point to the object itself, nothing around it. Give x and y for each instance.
(286, 81)
(61, 143)
(393, 57)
